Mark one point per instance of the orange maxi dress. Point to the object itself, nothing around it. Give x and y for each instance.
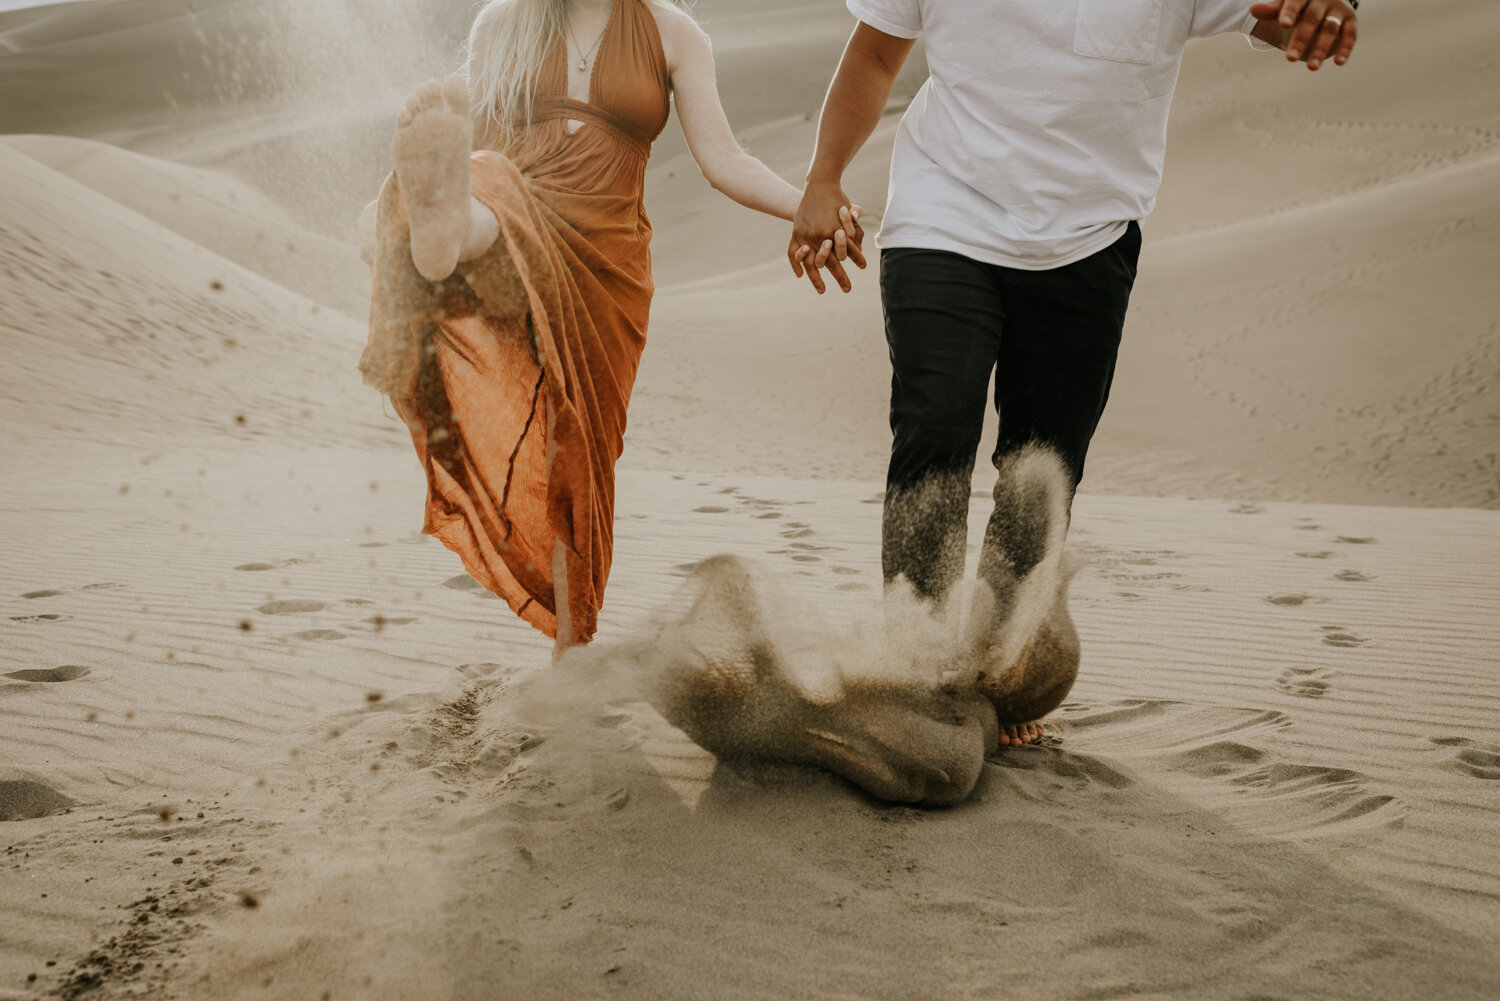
(518, 415)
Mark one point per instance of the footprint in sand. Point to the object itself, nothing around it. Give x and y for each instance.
(315, 634)
(1320, 799)
(1478, 763)
(796, 533)
(1247, 508)
(485, 672)
(710, 509)
(845, 571)
(1355, 540)
(1476, 760)
(1081, 771)
(1222, 745)
(379, 622)
(804, 552)
(1217, 759)
(463, 582)
(291, 606)
(1337, 636)
(1305, 682)
(769, 515)
(45, 617)
(1321, 554)
(52, 592)
(277, 565)
(67, 672)
(1293, 600)
(1353, 575)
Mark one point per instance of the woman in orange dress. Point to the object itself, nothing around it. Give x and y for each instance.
(512, 279)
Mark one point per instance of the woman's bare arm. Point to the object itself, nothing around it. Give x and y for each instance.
(724, 163)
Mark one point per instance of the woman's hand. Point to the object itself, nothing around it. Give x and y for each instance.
(825, 233)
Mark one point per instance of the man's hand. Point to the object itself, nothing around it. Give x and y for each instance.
(1309, 30)
(825, 233)
(825, 229)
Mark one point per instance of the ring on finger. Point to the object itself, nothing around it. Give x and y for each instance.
(1334, 20)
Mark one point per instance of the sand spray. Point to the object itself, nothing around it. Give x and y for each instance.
(905, 698)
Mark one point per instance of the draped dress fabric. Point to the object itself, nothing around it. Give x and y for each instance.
(518, 415)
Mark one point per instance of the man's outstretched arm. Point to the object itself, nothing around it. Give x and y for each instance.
(856, 99)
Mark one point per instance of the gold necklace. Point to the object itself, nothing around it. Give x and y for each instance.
(583, 58)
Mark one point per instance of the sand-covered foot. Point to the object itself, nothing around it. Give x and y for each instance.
(434, 137)
(720, 676)
(1026, 647)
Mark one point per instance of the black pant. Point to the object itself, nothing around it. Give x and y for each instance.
(1050, 337)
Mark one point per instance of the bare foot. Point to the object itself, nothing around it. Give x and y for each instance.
(722, 680)
(1016, 734)
(434, 137)
(1027, 647)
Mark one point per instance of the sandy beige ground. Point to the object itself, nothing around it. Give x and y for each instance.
(258, 739)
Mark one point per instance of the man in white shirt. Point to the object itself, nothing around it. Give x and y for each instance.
(1009, 244)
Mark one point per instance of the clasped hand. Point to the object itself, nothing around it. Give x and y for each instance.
(825, 234)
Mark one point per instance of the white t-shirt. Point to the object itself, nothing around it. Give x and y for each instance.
(1040, 131)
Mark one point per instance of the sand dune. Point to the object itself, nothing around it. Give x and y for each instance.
(1291, 779)
(110, 318)
(260, 739)
(231, 219)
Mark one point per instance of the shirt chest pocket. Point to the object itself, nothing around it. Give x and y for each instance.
(1127, 31)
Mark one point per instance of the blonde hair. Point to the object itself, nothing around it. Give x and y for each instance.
(507, 44)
